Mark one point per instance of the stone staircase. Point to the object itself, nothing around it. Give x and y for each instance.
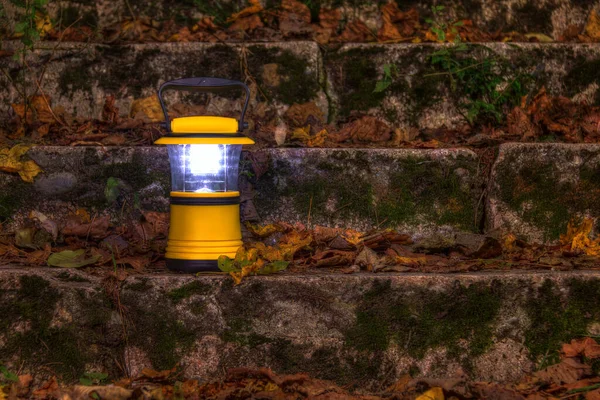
(360, 330)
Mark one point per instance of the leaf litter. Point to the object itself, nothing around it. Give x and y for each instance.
(292, 19)
(571, 378)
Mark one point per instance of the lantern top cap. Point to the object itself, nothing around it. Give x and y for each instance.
(204, 124)
(204, 129)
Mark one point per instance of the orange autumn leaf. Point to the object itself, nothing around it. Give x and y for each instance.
(577, 238)
(254, 8)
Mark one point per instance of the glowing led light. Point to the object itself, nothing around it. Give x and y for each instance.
(206, 159)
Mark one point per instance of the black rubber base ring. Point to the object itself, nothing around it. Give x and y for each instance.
(205, 201)
(192, 266)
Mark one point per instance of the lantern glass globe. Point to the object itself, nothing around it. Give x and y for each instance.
(204, 168)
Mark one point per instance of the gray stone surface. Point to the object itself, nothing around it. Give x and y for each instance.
(536, 189)
(360, 330)
(420, 97)
(416, 191)
(79, 76)
(419, 192)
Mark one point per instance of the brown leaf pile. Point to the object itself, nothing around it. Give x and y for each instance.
(572, 378)
(292, 20)
(558, 117)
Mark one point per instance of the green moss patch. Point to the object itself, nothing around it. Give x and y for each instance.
(420, 190)
(355, 75)
(157, 330)
(535, 191)
(425, 320)
(557, 318)
(296, 83)
(188, 290)
(62, 349)
(431, 190)
(583, 73)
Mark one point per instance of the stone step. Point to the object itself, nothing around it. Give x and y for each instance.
(415, 191)
(533, 191)
(536, 189)
(551, 17)
(422, 97)
(341, 82)
(79, 76)
(359, 330)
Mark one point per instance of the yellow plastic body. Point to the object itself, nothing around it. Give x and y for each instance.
(204, 124)
(225, 128)
(204, 232)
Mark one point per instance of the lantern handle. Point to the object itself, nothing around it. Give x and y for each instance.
(203, 85)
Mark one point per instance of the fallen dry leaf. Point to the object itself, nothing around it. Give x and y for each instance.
(585, 346)
(568, 370)
(10, 161)
(255, 7)
(592, 27)
(148, 107)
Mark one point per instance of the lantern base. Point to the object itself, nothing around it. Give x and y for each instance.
(192, 266)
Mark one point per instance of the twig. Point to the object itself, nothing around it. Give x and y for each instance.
(454, 72)
(309, 209)
(44, 96)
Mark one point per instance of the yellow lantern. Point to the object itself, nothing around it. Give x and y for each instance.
(204, 153)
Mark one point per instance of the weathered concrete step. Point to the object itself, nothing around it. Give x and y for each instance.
(422, 97)
(414, 191)
(534, 189)
(79, 77)
(550, 18)
(359, 330)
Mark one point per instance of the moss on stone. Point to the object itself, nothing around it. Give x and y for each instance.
(15, 199)
(536, 192)
(425, 320)
(140, 285)
(355, 75)
(297, 84)
(188, 290)
(41, 344)
(73, 16)
(68, 277)
(556, 318)
(531, 17)
(157, 331)
(429, 190)
(138, 74)
(583, 73)
(78, 78)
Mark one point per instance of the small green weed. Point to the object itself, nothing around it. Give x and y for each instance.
(93, 378)
(7, 376)
(440, 26)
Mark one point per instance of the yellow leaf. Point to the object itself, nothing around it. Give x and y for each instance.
(435, 393)
(302, 134)
(10, 161)
(148, 106)
(592, 28)
(293, 242)
(577, 238)
(408, 261)
(540, 37)
(43, 24)
(263, 231)
(508, 242)
(319, 139)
